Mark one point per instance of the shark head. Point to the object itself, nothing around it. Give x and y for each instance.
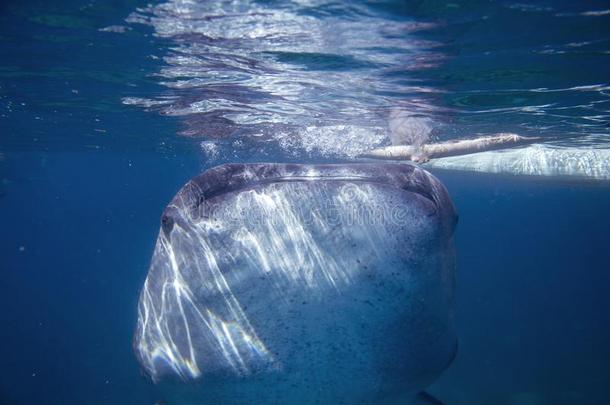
(287, 280)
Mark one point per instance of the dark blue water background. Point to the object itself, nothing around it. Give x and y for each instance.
(88, 160)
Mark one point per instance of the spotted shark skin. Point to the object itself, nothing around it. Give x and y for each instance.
(301, 284)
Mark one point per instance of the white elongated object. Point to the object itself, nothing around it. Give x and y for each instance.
(584, 158)
(592, 163)
(451, 148)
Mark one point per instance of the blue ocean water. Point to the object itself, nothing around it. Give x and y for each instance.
(108, 108)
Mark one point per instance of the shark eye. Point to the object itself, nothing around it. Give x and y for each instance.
(167, 223)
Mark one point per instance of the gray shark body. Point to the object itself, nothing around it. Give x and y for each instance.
(301, 284)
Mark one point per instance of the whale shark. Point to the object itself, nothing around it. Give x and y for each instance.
(301, 284)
